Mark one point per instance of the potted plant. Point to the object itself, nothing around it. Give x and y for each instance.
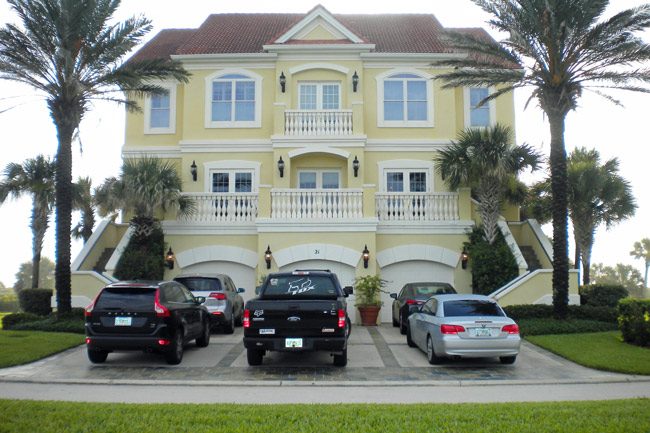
(367, 290)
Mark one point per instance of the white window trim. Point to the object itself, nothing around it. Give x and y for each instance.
(231, 166)
(257, 123)
(319, 93)
(405, 165)
(467, 105)
(381, 123)
(319, 177)
(171, 88)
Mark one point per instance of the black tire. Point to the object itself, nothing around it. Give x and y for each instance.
(229, 328)
(239, 320)
(409, 340)
(342, 359)
(97, 356)
(254, 356)
(204, 339)
(431, 354)
(402, 325)
(174, 355)
(508, 359)
(395, 322)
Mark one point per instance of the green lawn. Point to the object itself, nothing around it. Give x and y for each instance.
(575, 417)
(600, 350)
(21, 347)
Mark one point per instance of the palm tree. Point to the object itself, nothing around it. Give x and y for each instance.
(558, 48)
(485, 159)
(83, 200)
(71, 51)
(34, 177)
(642, 251)
(145, 186)
(597, 195)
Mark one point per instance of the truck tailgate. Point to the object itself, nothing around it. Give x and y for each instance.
(304, 318)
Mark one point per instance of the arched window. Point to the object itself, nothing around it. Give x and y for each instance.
(233, 100)
(405, 99)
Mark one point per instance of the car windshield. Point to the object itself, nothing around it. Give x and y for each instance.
(197, 284)
(471, 307)
(300, 287)
(131, 298)
(426, 290)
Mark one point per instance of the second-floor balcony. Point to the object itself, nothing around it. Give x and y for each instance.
(317, 122)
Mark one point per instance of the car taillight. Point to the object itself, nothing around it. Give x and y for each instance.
(219, 296)
(88, 340)
(511, 329)
(164, 342)
(451, 329)
(413, 302)
(247, 319)
(341, 318)
(161, 310)
(89, 309)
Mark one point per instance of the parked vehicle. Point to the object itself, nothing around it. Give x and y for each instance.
(222, 298)
(298, 311)
(412, 296)
(152, 316)
(466, 326)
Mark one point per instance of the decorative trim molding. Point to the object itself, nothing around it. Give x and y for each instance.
(322, 13)
(425, 228)
(422, 252)
(308, 66)
(317, 251)
(319, 149)
(180, 228)
(268, 225)
(218, 253)
(155, 151)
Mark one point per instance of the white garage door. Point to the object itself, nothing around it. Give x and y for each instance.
(344, 272)
(241, 275)
(398, 274)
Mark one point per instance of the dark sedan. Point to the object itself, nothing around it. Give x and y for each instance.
(412, 296)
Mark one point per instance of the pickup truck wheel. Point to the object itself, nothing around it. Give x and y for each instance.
(342, 359)
(254, 356)
(229, 327)
(175, 354)
(97, 356)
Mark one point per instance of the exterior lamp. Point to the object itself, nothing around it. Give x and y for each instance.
(169, 258)
(193, 171)
(365, 254)
(355, 81)
(464, 258)
(283, 82)
(281, 167)
(268, 256)
(355, 166)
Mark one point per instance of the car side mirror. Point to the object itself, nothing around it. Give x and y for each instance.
(393, 295)
(348, 290)
(241, 290)
(200, 299)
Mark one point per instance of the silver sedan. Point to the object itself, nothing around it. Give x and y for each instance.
(469, 326)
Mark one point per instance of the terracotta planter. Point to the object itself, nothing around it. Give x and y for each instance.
(369, 315)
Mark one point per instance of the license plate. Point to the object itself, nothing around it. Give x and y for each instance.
(482, 332)
(122, 321)
(267, 331)
(293, 342)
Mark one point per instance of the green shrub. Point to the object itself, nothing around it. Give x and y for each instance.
(634, 321)
(589, 312)
(529, 311)
(602, 295)
(53, 324)
(11, 320)
(565, 326)
(35, 301)
(492, 265)
(542, 311)
(143, 257)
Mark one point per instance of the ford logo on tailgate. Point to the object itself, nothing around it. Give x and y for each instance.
(293, 319)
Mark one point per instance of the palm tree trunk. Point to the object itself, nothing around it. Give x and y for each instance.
(560, 216)
(39, 227)
(489, 195)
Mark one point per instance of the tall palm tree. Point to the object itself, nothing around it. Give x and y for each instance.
(642, 251)
(597, 195)
(35, 177)
(558, 48)
(71, 51)
(83, 201)
(485, 159)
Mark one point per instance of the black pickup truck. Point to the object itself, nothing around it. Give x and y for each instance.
(298, 311)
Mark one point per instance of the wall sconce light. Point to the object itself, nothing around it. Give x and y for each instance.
(283, 82)
(355, 81)
(169, 258)
(281, 167)
(355, 166)
(365, 254)
(464, 258)
(193, 171)
(268, 256)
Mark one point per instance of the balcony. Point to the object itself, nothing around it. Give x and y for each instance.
(224, 207)
(397, 206)
(316, 204)
(317, 122)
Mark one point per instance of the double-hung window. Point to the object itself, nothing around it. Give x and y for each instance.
(233, 100)
(320, 96)
(406, 181)
(160, 117)
(478, 116)
(232, 181)
(405, 100)
(318, 179)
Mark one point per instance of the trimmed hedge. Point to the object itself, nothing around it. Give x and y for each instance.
(542, 311)
(493, 265)
(568, 326)
(11, 320)
(35, 301)
(634, 321)
(602, 295)
(143, 257)
(73, 322)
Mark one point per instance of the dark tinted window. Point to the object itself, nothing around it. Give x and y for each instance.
(126, 298)
(471, 308)
(201, 284)
(300, 287)
(426, 290)
(173, 293)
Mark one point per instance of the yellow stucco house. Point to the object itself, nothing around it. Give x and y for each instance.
(307, 141)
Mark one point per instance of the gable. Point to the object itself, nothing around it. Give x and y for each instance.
(318, 24)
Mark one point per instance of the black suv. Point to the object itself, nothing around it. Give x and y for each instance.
(153, 316)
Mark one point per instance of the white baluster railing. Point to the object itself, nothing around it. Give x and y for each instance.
(223, 207)
(397, 206)
(317, 122)
(322, 204)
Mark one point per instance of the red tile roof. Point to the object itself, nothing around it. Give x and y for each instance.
(248, 33)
